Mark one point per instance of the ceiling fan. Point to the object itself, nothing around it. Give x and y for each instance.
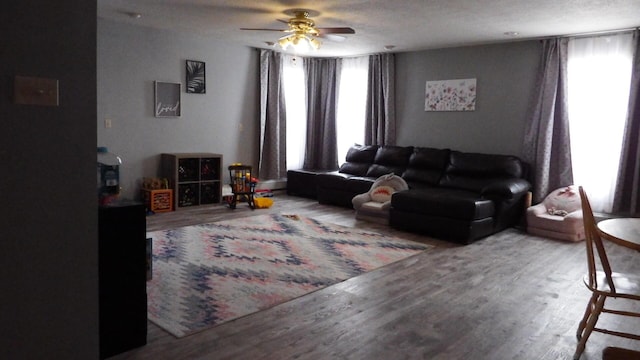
(302, 28)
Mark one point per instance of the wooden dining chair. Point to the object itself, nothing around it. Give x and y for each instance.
(602, 282)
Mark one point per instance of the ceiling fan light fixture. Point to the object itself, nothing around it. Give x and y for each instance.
(315, 43)
(299, 40)
(284, 42)
(302, 31)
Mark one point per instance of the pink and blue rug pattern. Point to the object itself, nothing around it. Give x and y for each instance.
(208, 274)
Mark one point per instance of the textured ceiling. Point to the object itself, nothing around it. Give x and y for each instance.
(408, 25)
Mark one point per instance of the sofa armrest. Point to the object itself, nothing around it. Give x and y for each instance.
(506, 189)
(574, 217)
(360, 199)
(538, 209)
(386, 205)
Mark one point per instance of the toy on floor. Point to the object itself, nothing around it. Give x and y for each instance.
(558, 216)
(243, 185)
(374, 205)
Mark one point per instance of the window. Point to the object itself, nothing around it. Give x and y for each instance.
(352, 102)
(293, 84)
(599, 75)
(350, 115)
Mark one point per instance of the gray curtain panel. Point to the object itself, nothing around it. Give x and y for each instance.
(380, 122)
(321, 97)
(546, 140)
(627, 194)
(273, 139)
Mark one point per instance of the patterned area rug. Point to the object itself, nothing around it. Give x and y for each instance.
(208, 274)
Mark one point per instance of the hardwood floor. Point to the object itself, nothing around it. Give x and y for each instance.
(508, 296)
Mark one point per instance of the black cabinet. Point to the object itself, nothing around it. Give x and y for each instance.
(122, 277)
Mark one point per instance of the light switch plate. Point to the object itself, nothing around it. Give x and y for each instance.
(35, 91)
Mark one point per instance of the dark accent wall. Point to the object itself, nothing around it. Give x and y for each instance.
(505, 75)
(48, 206)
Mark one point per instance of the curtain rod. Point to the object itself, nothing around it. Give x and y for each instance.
(597, 33)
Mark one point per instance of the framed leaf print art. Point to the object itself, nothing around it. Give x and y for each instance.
(196, 77)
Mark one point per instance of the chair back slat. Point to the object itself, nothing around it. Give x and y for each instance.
(594, 240)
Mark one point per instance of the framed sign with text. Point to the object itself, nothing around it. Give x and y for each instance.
(167, 99)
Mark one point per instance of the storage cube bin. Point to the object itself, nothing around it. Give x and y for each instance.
(160, 200)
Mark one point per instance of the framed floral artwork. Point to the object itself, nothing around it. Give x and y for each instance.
(450, 95)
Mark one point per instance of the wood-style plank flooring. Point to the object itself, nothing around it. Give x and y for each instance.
(508, 296)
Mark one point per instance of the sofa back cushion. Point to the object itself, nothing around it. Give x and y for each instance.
(426, 165)
(390, 159)
(471, 171)
(358, 160)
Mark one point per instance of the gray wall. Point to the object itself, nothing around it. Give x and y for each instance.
(505, 76)
(48, 216)
(224, 120)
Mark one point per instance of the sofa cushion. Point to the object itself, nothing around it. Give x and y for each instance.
(358, 159)
(333, 179)
(442, 202)
(302, 182)
(505, 189)
(362, 153)
(358, 184)
(474, 172)
(348, 183)
(426, 165)
(356, 169)
(390, 159)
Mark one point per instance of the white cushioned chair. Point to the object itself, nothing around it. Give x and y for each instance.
(558, 216)
(374, 204)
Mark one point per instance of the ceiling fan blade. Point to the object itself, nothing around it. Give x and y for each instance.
(282, 30)
(333, 37)
(336, 30)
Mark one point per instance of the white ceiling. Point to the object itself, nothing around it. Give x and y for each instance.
(408, 25)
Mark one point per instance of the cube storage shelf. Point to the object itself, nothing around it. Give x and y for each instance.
(196, 178)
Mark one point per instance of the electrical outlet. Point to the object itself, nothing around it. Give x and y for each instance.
(107, 123)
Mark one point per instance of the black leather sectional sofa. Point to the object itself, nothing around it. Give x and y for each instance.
(452, 195)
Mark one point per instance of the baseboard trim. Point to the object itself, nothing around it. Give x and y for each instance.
(280, 184)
